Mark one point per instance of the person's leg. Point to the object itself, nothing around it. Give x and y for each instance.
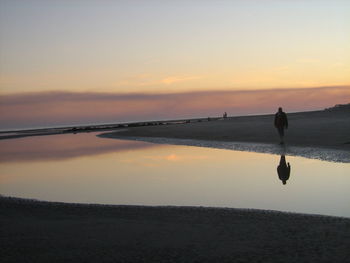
(281, 134)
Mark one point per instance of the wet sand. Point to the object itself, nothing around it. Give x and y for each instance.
(33, 231)
(320, 129)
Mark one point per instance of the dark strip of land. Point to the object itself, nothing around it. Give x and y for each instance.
(320, 129)
(14, 134)
(34, 231)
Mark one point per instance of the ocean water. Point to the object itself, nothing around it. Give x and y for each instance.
(84, 168)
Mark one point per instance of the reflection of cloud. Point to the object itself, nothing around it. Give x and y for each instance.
(158, 160)
(139, 162)
(172, 157)
(60, 147)
(176, 157)
(62, 108)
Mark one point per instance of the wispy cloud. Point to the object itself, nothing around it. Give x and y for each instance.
(308, 60)
(148, 80)
(175, 79)
(176, 157)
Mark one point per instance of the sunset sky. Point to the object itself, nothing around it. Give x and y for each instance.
(154, 58)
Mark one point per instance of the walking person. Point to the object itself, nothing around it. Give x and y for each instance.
(281, 122)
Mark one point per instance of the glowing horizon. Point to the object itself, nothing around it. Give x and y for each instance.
(161, 47)
(45, 109)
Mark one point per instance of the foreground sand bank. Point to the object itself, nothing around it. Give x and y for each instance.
(322, 129)
(34, 231)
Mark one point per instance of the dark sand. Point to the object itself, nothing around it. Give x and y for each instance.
(33, 231)
(321, 129)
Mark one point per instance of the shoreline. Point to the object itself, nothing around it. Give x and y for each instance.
(262, 124)
(89, 232)
(318, 135)
(7, 201)
(323, 154)
(323, 129)
(323, 135)
(19, 133)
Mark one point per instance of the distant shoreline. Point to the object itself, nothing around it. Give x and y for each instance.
(14, 133)
(109, 126)
(39, 230)
(83, 127)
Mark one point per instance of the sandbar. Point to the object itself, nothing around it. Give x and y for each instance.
(319, 134)
(319, 129)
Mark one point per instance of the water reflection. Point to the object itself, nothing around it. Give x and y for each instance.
(62, 147)
(110, 171)
(283, 169)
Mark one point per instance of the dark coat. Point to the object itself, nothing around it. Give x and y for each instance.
(281, 120)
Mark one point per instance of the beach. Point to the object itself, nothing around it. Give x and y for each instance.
(328, 129)
(40, 231)
(320, 129)
(156, 131)
(320, 135)
(36, 231)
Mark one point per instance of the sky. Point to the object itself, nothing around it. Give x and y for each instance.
(187, 49)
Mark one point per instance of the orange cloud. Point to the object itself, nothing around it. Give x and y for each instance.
(174, 79)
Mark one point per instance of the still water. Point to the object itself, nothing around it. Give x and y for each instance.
(87, 169)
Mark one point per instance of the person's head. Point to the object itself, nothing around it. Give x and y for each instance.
(280, 109)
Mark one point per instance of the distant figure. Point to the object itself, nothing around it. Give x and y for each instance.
(225, 115)
(281, 122)
(283, 170)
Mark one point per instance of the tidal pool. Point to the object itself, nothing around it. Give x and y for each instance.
(84, 168)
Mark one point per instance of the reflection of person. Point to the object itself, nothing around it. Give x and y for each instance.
(283, 170)
(281, 122)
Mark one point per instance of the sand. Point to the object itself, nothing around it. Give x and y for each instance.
(34, 231)
(320, 129)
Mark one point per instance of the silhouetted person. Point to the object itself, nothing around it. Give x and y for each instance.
(225, 115)
(283, 170)
(281, 122)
